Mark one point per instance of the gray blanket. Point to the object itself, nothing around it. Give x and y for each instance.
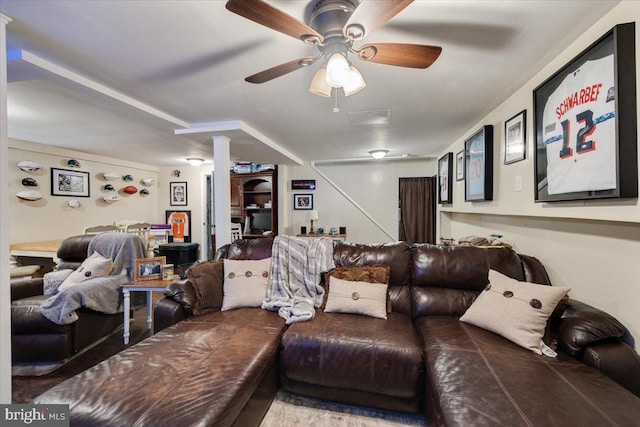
(101, 294)
(294, 283)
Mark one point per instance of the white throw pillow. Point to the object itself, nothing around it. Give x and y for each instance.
(356, 297)
(94, 266)
(245, 283)
(52, 280)
(518, 311)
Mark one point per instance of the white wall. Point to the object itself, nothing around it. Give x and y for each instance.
(592, 247)
(50, 218)
(373, 185)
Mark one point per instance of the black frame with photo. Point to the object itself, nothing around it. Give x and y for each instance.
(619, 42)
(478, 165)
(445, 174)
(299, 203)
(74, 178)
(515, 138)
(173, 199)
(460, 165)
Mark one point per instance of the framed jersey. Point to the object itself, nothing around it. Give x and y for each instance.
(478, 165)
(585, 124)
(445, 174)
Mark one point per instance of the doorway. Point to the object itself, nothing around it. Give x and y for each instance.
(417, 209)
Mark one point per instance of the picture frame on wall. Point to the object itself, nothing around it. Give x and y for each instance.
(180, 222)
(178, 193)
(515, 138)
(585, 124)
(303, 202)
(460, 165)
(66, 182)
(478, 165)
(445, 174)
(148, 268)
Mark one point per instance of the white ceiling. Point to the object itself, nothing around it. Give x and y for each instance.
(188, 60)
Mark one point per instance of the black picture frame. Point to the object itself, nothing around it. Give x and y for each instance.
(445, 176)
(598, 119)
(515, 138)
(478, 165)
(303, 202)
(186, 215)
(65, 182)
(303, 184)
(460, 165)
(178, 193)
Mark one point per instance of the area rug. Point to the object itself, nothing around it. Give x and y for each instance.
(289, 410)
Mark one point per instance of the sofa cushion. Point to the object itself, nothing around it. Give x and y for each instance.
(207, 279)
(357, 353)
(515, 310)
(94, 266)
(358, 273)
(347, 296)
(478, 378)
(245, 283)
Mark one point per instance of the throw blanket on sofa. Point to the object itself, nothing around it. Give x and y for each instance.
(101, 294)
(294, 283)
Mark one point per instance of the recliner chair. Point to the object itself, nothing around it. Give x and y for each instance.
(36, 339)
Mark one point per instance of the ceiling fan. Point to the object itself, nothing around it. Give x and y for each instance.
(334, 26)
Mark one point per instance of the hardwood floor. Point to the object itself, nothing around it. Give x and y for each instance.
(25, 389)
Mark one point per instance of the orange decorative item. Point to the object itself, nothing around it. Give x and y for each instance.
(130, 189)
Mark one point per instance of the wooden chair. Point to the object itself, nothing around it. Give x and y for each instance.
(141, 229)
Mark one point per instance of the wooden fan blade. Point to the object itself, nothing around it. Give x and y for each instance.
(281, 70)
(269, 16)
(400, 54)
(372, 14)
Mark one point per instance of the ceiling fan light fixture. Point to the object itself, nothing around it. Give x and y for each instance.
(319, 85)
(338, 70)
(378, 154)
(195, 161)
(355, 83)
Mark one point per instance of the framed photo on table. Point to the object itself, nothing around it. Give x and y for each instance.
(445, 174)
(178, 193)
(515, 138)
(148, 268)
(303, 202)
(66, 182)
(478, 165)
(585, 124)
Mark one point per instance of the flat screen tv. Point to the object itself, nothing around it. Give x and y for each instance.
(261, 221)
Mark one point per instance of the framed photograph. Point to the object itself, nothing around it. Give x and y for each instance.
(515, 138)
(180, 222)
(178, 193)
(478, 165)
(148, 268)
(585, 124)
(445, 173)
(303, 202)
(303, 184)
(66, 182)
(460, 165)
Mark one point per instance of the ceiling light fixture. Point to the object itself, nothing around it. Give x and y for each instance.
(378, 154)
(195, 161)
(337, 73)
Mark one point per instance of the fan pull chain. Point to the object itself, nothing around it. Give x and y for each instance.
(336, 109)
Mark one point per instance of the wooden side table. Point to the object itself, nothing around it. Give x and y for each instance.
(147, 286)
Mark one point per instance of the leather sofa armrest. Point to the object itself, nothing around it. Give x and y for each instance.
(166, 313)
(24, 288)
(582, 326)
(617, 360)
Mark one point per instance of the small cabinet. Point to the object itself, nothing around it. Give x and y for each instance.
(254, 202)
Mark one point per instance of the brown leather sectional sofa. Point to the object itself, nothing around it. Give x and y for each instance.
(220, 368)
